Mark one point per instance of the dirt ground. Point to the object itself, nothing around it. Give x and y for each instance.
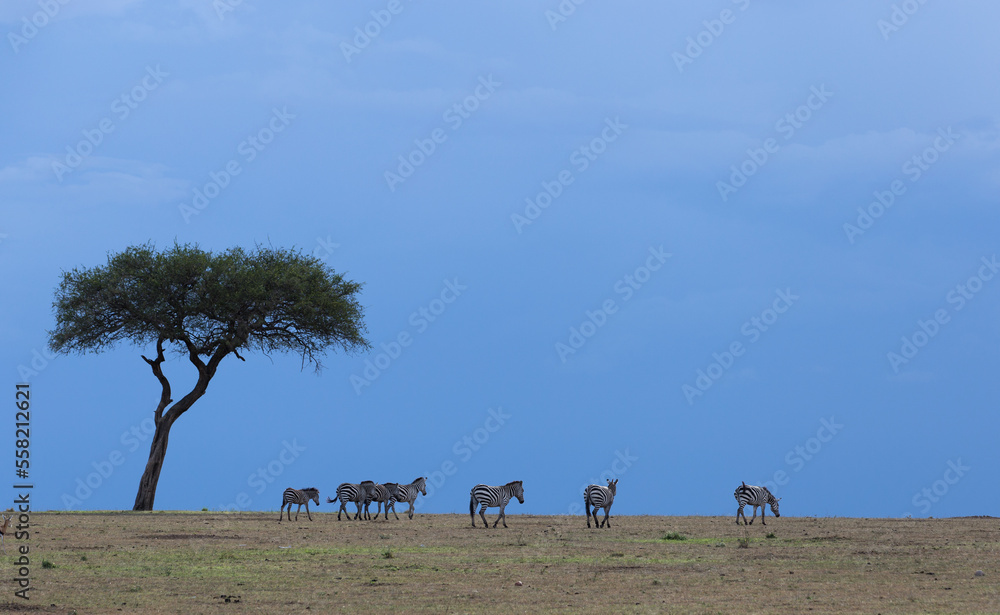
(191, 562)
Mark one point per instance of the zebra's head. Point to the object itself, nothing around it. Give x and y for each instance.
(312, 493)
(774, 505)
(517, 488)
(421, 484)
(613, 486)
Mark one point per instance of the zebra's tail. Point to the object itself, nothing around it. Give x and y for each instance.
(329, 501)
(472, 505)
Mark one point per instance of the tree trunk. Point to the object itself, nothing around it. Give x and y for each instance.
(165, 420)
(151, 476)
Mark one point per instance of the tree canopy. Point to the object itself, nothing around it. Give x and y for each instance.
(205, 306)
(267, 300)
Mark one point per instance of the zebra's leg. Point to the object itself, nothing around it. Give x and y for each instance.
(393, 512)
(739, 513)
(586, 509)
(607, 513)
(409, 512)
(482, 513)
(501, 516)
(281, 512)
(754, 515)
(763, 513)
(307, 511)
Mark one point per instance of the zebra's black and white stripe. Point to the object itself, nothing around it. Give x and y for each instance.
(599, 497)
(408, 493)
(376, 492)
(349, 492)
(754, 496)
(490, 497)
(300, 497)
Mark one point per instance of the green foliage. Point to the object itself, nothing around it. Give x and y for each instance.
(674, 536)
(205, 304)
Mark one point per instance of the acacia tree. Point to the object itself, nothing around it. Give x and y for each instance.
(204, 306)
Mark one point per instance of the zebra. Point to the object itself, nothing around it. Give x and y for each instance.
(492, 497)
(755, 496)
(300, 497)
(408, 493)
(599, 497)
(349, 492)
(375, 492)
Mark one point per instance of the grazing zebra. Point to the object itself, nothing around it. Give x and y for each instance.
(300, 497)
(375, 492)
(494, 496)
(349, 492)
(408, 493)
(599, 497)
(755, 496)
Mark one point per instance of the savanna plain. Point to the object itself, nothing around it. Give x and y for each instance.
(210, 562)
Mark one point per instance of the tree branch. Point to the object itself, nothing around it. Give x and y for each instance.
(156, 365)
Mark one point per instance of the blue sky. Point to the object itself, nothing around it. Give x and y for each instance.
(683, 245)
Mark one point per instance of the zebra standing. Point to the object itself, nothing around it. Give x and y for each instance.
(494, 496)
(300, 497)
(408, 493)
(349, 492)
(599, 497)
(376, 492)
(755, 496)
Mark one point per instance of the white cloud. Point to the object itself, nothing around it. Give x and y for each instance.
(97, 180)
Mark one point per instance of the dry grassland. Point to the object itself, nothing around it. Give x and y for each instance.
(249, 563)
